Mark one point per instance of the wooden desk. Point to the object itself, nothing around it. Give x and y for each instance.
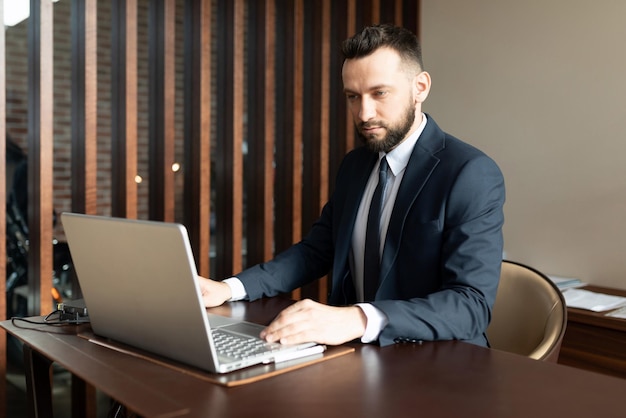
(594, 341)
(443, 379)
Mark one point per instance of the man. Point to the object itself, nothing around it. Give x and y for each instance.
(440, 226)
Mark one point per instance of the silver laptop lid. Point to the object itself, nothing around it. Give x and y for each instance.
(138, 280)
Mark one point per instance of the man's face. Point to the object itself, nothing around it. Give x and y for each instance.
(384, 98)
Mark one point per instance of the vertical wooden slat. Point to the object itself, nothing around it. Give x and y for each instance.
(40, 146)
(298, 84)
(375, 16)
(284, 125)
(410, 15)
(366, 13)
(324, 118)
(229, 169)
(162, 31)
(197, 164)
(343, 18)
(297, 101)
(310, 99)
(84, 105)
(235, 120)
(390, 11)
(351, 28)
(124, 108)
(3, 196)
(386, 11)
(261, 110)
(270, 129)
(316, 136)
(397, 20)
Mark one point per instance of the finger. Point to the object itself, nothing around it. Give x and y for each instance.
(286, 323)
(275, 329)
(298, 337)
(292, 334)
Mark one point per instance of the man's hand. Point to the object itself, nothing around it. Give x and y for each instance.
(307, 320)
(213, 293)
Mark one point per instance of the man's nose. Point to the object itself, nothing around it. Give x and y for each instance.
(367, 110)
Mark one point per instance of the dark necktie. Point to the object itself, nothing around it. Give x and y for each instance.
(371, 262)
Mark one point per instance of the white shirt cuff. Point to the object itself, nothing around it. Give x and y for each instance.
(237, 290)
(376, 321)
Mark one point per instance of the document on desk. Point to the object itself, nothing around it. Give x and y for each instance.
(566, 282)
(593, 301)
(618, 313)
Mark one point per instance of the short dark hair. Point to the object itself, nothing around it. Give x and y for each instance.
(374, 37)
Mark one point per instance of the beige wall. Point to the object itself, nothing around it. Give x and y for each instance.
(540, 85)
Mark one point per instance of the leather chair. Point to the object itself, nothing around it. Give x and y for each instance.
(529, 316)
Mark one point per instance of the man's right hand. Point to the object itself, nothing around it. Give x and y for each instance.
(213, 293)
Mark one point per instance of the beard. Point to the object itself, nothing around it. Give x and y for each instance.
(395, 133)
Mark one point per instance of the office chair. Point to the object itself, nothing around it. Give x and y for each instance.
(529, 315)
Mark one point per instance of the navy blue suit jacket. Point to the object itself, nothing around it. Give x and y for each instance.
(441, 260)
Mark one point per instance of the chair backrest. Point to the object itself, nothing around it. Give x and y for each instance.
(529, 316)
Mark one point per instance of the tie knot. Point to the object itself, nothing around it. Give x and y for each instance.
(384, 166)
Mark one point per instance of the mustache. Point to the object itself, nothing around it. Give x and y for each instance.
(371, 124)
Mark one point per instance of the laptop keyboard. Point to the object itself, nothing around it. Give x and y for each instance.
(240, 346)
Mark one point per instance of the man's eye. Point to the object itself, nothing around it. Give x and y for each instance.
(381, 93)
(351, 97)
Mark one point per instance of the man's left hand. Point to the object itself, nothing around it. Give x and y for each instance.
(307, 320)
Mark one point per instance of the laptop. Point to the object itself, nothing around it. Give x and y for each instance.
(139, 283)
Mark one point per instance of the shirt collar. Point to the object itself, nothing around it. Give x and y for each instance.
(398, 158)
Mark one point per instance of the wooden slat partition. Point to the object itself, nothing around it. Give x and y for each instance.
(162, 48)
(84, 22)
(411, 16)
(197, 164)
(84, 105)
(341, 127)
(230, 132)
(316, 137)
(124, 108)
(259, 163)
(289, 120)
(40, 140)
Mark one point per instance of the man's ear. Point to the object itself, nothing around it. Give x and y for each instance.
(421, 87)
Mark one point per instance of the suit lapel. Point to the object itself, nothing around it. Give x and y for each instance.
(418, 171)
